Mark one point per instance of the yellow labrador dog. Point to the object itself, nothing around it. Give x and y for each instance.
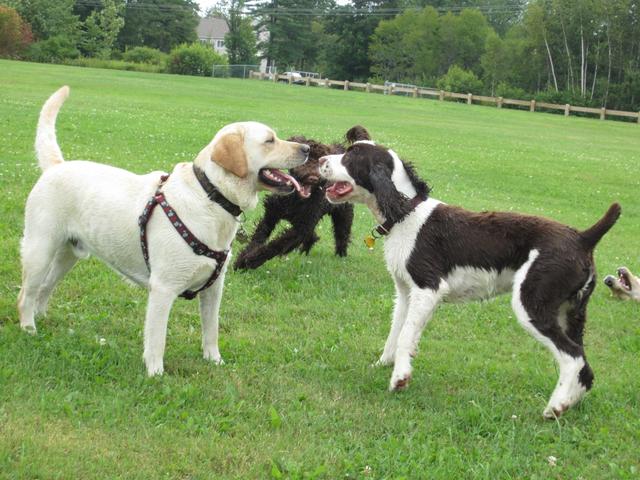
(625, 285)
(80, 208)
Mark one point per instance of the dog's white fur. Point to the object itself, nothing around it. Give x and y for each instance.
(80, 208)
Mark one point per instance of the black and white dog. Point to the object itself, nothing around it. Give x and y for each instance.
(436, 252)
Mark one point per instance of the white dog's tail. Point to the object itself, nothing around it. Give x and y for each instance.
(47, 149)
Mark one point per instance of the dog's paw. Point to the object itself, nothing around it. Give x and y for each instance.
(553, 412)
(384, 361)
(399, 381)
(29, 328)
(154, 368)
(213, 357)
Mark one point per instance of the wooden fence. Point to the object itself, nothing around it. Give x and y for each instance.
(416, 92)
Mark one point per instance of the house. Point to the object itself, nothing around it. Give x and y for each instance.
(212, 31)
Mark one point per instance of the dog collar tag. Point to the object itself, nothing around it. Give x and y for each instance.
(242, 236)
(369, 241)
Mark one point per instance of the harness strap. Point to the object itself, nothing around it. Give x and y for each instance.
(196, 245)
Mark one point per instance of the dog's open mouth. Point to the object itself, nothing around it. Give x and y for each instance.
(307, 185)
(278, 180)
(338, 190)
(623, 277)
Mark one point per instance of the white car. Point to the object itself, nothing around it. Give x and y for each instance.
(295, 77)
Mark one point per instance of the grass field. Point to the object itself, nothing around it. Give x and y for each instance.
(297, 397)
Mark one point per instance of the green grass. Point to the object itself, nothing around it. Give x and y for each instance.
(297, 397)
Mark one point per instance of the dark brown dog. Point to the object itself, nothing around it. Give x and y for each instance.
(303, 210)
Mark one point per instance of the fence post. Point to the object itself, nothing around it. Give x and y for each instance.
(603, 112)
(638, 118)
(307, 81)
(368, 88)
(469, 98)
(415, 92)
(532, 107)
(567, 109)
(326, 83)
(261, 75)
(441, 96)
(499, 102)
(290, 78)
(346, 85)
(275, 77)
(391, 90)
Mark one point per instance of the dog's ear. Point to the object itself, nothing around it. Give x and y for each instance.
(228, 152)
(392, 204)
(357, 133)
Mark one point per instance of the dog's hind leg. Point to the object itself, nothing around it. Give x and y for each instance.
(38, 253)
(209, 309)
(399, 316)
(159, 305)
(63, 261)
(538, 309)
(422, 303)
(342, 218)
(308, 242)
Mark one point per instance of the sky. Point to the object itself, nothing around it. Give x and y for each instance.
(204, 4)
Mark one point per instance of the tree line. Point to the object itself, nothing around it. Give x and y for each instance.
(583, 52)
(563, 51)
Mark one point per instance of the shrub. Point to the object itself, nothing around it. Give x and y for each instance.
(460, 81)
(15, 33)
(194, 59)
(149, 55)
(113, 65)
(53, 50)
(505, 90)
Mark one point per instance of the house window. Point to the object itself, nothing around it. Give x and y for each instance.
(220, 43)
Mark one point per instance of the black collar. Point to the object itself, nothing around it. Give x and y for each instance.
(214, 194)
(386, 227)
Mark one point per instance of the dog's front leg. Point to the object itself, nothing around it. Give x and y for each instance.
(422, 303)
(209, 309)
(159, 305)
(399, 316)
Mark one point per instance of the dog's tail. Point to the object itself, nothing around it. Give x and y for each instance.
(47, 149)
(591, 236)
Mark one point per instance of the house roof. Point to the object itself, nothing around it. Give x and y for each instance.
(212, 28)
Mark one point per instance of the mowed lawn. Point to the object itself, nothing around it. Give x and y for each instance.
(297, 397)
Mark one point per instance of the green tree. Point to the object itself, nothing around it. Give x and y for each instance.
(160, 24)
(289, 38)
(348, 35)
(240, 41)
(406, 48)
(15, 33)
(50, 18)
(101, 29)
(494, 61)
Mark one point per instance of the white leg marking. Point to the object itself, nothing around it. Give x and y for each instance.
(422, 303)
(399, 316)
(209, 308)
(568, 390)
(155, 329)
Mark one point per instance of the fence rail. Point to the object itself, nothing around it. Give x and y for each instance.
(417, 92)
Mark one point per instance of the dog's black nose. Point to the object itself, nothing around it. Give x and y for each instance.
(608, 281)
(305, 148)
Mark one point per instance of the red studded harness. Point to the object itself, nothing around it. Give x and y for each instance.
(196, 245)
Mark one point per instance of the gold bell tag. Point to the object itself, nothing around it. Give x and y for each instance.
(369, 241)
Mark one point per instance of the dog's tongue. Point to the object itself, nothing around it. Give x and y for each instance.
(305, 191)
(285, 178)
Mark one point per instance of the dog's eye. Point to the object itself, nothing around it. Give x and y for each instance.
(271, 140)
